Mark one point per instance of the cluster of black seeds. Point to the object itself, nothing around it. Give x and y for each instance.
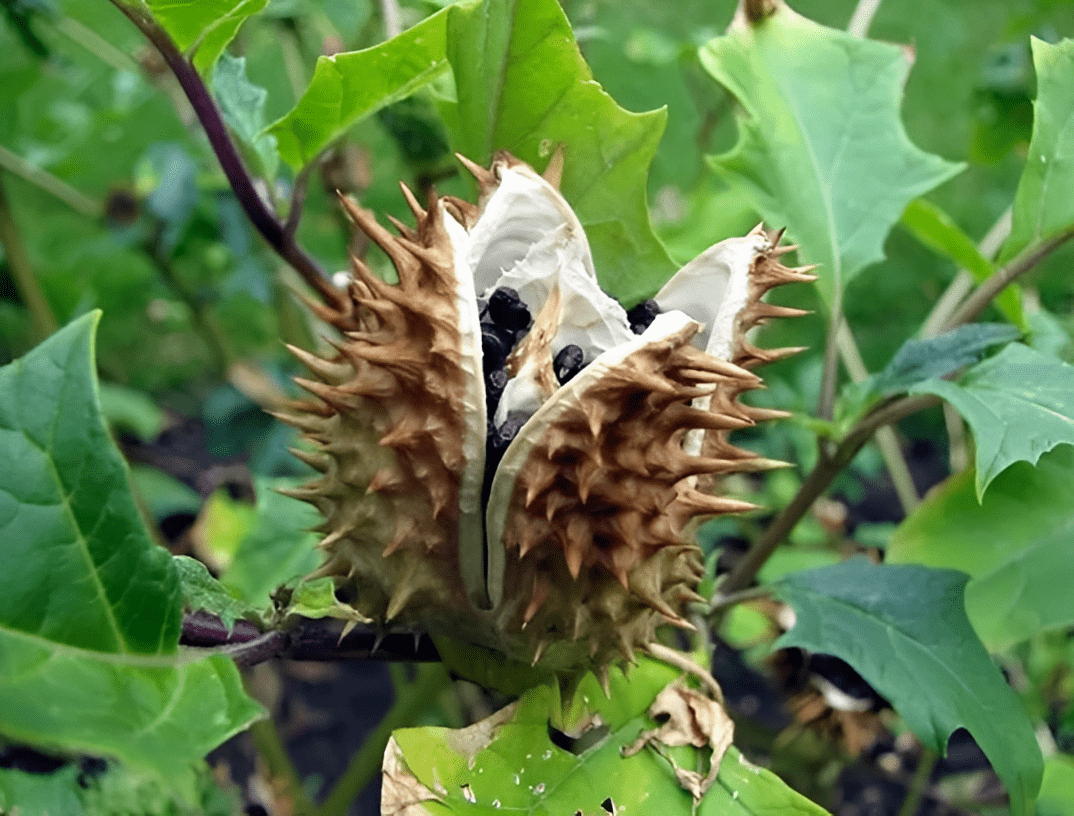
(642, 315)
(504, 322)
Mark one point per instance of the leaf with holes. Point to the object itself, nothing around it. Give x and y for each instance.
(89, 606)
(1043, 205)
(821, 147)
(523, 86)
(904, 629)
(1019, 404)
(509, 761)
(1016, 546)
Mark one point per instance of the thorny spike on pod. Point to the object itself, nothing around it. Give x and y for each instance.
(315, 459)
(486, 179)
(553, 173)
(412, 202)
(539, 596)
(589, 502)
(404, 230)
(325, 369)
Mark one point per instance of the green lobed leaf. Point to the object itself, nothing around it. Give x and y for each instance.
(1017, 545)
(904, 629)
(937, 230)
(1043, 206)
(508, 762)
(523, 86)
(242, 105)
(821, 147)
(87, 574)
(89, 607)
(203, 592)
(156, 713)
(349, 86)
(1019, 404)
(204, 27)
(920, 360)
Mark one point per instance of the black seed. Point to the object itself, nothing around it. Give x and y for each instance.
(494, 349)
(498, 440)
(503, 435)
(507, 310)
(642, 315)
(568, 362)
(482, 309)
(495, 382)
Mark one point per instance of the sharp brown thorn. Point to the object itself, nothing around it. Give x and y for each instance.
(412, 202)
(553, 173)
(484, 177)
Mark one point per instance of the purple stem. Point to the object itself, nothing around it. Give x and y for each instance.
(263, 219)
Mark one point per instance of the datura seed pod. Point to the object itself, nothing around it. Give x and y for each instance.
(507, 455)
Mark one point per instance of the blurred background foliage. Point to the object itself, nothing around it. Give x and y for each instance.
(121, 205)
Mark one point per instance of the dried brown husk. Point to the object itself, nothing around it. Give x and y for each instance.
(589, 523)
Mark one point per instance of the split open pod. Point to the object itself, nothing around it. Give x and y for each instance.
(507, 455)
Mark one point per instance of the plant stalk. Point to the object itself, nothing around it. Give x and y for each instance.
(77, 201)
(886, 440)
(862, 17)
(829, 465)
(976, 303)
(962, 284)
(919, 783)
(257, 211)
(18, 261)
(271, 750)
(432, 678)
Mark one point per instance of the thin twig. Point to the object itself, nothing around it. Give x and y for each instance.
(22, 273)
(828, 466)
(829, 376)
(201, 315)
(77, 201)
(724, 600)
(962, 284)
(862, 17)
(984, 294)
(271, 750)
(95, 44)
(393, 18)
(307, 640)
(263, 219)
(886, 440)
(298, 200)
(416, 697)
(919, 783)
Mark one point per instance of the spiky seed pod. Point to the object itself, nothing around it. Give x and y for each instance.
(577, 546)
